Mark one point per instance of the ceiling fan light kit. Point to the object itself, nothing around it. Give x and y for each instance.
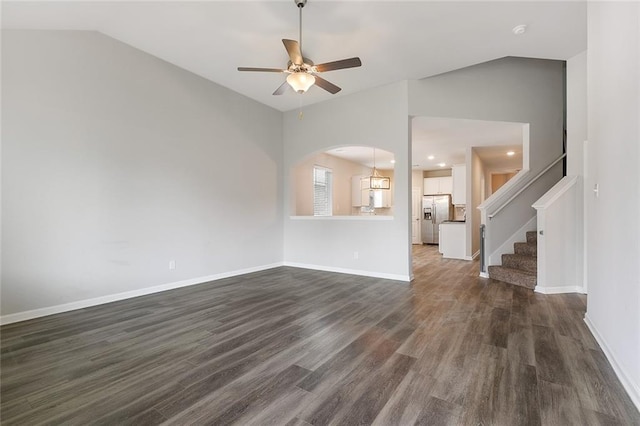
(300, 81)
(302, 72)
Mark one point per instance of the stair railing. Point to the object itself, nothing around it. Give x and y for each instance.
(514, 196)
(483, 261)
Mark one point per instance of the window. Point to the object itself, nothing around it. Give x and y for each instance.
(322, 191)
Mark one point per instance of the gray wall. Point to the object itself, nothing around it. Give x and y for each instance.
(576, 139)
(613, 234)
(115, 162)
(378, 118)
(477, 172)
(510, 89)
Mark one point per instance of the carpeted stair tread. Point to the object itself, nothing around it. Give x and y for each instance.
(526, 249)
(520, 268)
(513, 276)
(518, 261)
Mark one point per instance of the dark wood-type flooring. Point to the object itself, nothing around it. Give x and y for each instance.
(296, 347)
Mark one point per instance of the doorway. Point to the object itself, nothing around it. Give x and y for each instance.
(416, 197)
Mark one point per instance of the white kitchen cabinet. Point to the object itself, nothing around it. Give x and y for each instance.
(438, 185)
(382, 198)
(431, 186)
(365, 182)
(459, 176)
(356, 194)
(364, 190)
(446, 185)
(364, 197)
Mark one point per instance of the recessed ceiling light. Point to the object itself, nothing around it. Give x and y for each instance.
(393, 161)
(519, 29)
(431, 157)
(511, 153)
(441, 164)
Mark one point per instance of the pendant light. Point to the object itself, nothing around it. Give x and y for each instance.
(376, 180)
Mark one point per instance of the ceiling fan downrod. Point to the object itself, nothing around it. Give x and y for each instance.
(300, 4)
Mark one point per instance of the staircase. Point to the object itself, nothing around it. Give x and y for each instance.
(520, 268)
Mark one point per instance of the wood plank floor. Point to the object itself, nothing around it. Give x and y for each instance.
(296, 347)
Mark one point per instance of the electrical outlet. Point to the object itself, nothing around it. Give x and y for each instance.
(172, 264)
(356, 255)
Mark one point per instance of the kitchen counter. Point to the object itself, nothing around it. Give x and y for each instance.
(453, 239)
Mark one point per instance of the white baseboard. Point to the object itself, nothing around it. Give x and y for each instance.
(633, 389)
(80, 304)
(484, 274)
(395, 277)
(558, 290)
(457, 258)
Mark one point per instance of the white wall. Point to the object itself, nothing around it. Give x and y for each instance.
(558, 251)
(576, 112)
(377, 118)
(613, 235)
(509, 89)
(477, 185)
(115, 162)
(576, 139)
(417, 180)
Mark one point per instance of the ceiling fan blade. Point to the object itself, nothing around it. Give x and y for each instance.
(293, 49)
(260, 69)
(283, 88)
(329, 87)
(338, 65)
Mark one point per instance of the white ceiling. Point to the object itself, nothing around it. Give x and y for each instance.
(364, 155)
(447, 140)
(495, 158)
(396, 40)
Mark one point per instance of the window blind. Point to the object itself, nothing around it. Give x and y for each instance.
(322, 189)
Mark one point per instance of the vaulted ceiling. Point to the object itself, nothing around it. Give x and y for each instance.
(396, 40)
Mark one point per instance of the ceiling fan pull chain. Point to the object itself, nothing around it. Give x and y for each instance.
(300, 113)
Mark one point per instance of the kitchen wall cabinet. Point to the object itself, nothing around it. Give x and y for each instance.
(459, 176)
(438, 185)
(381, 198)
(356, 192)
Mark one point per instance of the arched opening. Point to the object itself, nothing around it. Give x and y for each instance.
(343, 181)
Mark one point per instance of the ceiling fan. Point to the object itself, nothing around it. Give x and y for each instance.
(302, 71)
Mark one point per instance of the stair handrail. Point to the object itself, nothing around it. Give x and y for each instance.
(546, 169)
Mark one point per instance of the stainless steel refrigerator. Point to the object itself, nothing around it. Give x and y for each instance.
(435, 210)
